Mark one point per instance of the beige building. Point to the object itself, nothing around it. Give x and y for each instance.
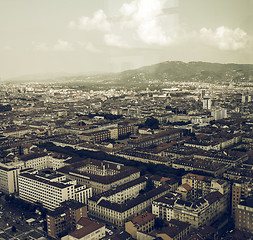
(203, 185)
(144, 222)
(203, 211)
(9, 178)
(118, 214)
(185, 190)
(37, 161)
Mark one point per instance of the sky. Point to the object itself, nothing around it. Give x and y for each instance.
(84, 36)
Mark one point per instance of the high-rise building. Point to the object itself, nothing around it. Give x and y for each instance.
(64, 218)
(207, 103)
(240, 190)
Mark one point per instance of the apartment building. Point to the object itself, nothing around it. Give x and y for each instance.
(37, 161)
(50, 190)
(163, 207)
(158, 138)
(101, 176)
(244, 215)
(118, 214)
(203, 211)
(185, 190)
(240, 190)
(144, 222)
(64, 218)
(9, 178)
(203, 185)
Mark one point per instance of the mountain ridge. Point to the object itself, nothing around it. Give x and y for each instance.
(163, 71)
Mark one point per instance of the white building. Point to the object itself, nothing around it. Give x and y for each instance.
(8, 178)
(219, 114)
(207, 103)
(50, 190)
(164, 207)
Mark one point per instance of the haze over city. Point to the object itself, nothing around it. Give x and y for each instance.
(113, 35)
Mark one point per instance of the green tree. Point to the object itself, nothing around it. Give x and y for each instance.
(150, 185)
(152, 123)
(159, 223)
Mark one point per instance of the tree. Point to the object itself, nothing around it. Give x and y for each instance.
(150, 185)
(13, 229)
(159, 223)
(152, 123)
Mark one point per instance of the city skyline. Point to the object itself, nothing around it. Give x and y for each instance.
(108, 36)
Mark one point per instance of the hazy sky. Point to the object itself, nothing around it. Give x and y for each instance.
(46, 36)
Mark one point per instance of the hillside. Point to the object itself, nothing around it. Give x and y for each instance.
(160, 73)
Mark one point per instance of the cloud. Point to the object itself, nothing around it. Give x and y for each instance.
(7, 48)
(115, 40)
(98, 21)
(225, 38)
(89, 47)
(62, 45)
(145, 16)
(41, 46)
(139, 21)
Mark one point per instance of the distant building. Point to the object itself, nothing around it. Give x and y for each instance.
(219, 114)
(207, 103)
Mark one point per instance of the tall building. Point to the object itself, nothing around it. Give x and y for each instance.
(207, 103)
(244, 216)
(240, 190)
(219, 114)
(64, 218)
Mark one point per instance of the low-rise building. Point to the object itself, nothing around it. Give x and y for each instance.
(87, 229)
(118, 214)
(142, 223)
(101, 176)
